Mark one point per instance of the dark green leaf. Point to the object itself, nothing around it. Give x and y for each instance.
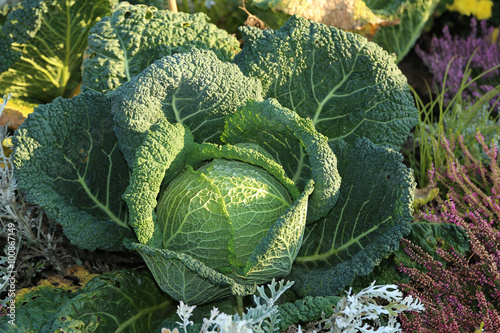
(67, 161)
(371, 216)
(119, 301)
(194, 89)
(347, 86)
(134, 36)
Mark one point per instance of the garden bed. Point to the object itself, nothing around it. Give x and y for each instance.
(104, 209)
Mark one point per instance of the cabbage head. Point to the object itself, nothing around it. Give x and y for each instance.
(235, 202)
(217, 220)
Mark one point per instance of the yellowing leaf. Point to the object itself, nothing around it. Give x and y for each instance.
(75, 277)
(81, 273)
(15, 112)
(343, 14)
(424, 195)
(77, 90)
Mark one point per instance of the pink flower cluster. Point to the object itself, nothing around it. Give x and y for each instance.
(471, 186)
(460, 293)
(458, 51)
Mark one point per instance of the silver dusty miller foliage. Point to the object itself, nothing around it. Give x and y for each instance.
(354, 313)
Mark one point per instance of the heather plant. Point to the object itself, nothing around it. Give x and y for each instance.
(461, 122)
(464, 293)
(458, 297)
(458, 106)
(473, 185)
(451, 59)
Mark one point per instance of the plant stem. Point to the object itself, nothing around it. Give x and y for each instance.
(172, 5)
(239, 305)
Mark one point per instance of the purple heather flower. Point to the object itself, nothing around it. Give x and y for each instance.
(456, 52)
(464, 293)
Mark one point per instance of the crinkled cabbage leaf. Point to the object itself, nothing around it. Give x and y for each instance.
(135, 36)
(348, 86)
(372, 214)
(124, 300)
(67, 160)
(195, 89)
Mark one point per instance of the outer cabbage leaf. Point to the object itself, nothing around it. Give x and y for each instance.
(373, 213)
(35, 310)
(306, 310)
(134, 36)
(294, 143)
(348, 86)
(119, 301)
(42, 45)
(429, 236)
(179, 274)
(188, 279)
(67, 161)
(35, 307)
(412, 16)
(195, 89)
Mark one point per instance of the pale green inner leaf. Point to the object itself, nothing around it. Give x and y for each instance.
(219, 213)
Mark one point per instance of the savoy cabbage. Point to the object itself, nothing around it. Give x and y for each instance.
(318, 112)
(224, 227)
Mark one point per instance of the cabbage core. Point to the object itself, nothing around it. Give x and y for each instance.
(220, 212)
